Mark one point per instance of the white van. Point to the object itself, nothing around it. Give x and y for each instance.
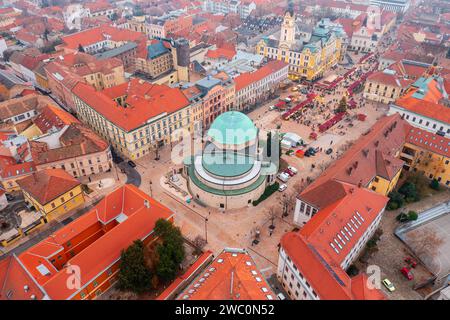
(283, 176)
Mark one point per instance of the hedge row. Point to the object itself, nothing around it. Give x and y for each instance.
(267, 192)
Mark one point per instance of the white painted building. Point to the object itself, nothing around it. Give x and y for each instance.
(229, 6)
(256, 86)
(392, 5)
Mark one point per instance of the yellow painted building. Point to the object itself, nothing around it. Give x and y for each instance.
(429, 154)
(383, 185)
(309, 55)
(52, 192)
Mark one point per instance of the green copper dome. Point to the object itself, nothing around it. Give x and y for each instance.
(232, 127)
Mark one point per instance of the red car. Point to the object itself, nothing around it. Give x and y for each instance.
(407, 273)
(289, 172)
(411, 262)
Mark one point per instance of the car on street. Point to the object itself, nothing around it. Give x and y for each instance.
(282, 187)
(388, 284)
(9, 197)
(283, 177)
(329, 151)
(131, 164)
(293, 169)
(289, 172)
(407, 273)
(272, 108)
(411, 262)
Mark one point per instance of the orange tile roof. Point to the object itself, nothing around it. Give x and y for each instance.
(53, 117)
(16, 283)
(103, 252)
(221, 53)
(327, 223)
(47, 185)
(341, 224)
(144, 101)
(98, 34)
(360, 164)
(426, 108)
(245, 79)
(428, 141)
(231, 276)
(9, 168)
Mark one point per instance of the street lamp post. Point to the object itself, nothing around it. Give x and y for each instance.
(151, 191)
(206, 230)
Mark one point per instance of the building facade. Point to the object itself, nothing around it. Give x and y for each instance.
(309, 58)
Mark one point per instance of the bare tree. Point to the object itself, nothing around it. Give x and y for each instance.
(288, 202)
(272, 213)
(425, 242)
(199, 243)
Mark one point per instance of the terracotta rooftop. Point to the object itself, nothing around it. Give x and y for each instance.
(245, 79)
(428, 141)
(144, 101)
(76, 141)
(320, 247)
(48, 184)
(372, 155)
(137, 222)
(53, 117)
(101, 33)
(231, 276)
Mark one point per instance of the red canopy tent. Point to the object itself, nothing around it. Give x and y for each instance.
(362, 117)
(289, 113)
(328, 124)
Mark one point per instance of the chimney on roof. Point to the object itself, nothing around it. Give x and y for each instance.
(360, 184)
(351, 190)
(26, 288)
(146, 204)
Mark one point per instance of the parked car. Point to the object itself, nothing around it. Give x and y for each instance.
(407, 273)
(289, 172)
(132, 164)
(411, 262)
(329, 151)
(283, 177)
(272, 108)
(9, 197)
(388, 284)
(282, 187)
(293, 169)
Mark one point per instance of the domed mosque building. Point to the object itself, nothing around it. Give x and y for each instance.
(235, 165)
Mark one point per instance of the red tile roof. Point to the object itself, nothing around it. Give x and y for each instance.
(9, 168)
(361, 163)
(53, 117)
(101, 253)
(231, 276)
(144, 101)
(428, 141)
(320, 247)
(47, 185)
(98, 34)
(221, 53)
(246, 79)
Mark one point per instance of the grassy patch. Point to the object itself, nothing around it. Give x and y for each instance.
(267, 193)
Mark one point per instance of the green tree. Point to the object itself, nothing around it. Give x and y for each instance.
(170, 251)
(409, 190)
(134, 274)
(434, 184)
(342, 105)
(412, 215)
(395, 200)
